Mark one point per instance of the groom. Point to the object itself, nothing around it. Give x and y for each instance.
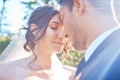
(91, 24)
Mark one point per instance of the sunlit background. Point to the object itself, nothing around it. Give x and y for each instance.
(15, 13)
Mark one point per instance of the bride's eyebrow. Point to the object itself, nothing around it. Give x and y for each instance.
(55, 22)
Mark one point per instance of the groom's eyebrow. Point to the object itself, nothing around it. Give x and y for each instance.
(61, 18)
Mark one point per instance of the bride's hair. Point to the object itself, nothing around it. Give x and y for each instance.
(40, 17)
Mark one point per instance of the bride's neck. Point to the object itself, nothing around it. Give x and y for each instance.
(42, 60)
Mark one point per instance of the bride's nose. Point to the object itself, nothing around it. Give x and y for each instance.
(62, 34)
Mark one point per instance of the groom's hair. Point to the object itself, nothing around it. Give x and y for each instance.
(95, 3)
(68, 3)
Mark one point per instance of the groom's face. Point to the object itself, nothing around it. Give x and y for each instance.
(71, 22)
(67, 22)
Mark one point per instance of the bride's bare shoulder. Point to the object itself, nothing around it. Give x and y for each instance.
(10, 69)
(6, 70)
(6, 66)
(12, 66)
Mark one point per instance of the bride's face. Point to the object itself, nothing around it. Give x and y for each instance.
(54, 38)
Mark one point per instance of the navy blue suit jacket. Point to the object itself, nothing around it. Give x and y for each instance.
(104, 63)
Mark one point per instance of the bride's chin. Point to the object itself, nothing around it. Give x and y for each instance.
(58, 49)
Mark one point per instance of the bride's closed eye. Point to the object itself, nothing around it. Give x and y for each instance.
(54, 25)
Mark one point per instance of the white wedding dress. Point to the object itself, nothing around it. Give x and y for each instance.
(15, 51)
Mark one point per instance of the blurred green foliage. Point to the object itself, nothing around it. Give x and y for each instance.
(74, 58)
(46, 1)
(4, 41)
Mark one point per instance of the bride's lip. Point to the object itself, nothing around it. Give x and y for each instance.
(60, 43)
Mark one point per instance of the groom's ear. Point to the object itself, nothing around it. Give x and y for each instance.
(79, 5)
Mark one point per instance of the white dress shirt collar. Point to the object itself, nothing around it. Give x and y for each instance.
(97, 42)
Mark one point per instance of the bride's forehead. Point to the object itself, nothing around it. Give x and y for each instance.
(56, 16)
(55, 19)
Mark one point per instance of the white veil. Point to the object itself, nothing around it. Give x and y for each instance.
(14, 50)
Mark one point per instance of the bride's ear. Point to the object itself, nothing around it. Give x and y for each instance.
(33, 28)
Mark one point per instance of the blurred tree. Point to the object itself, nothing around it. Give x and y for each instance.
(2, 13)
(46, 1)
(30, 5)
(4, 41)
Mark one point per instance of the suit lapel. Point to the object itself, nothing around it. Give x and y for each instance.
(104, 45)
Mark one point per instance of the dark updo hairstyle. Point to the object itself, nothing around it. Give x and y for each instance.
(40, 17)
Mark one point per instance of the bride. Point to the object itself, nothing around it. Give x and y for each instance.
(45, 36)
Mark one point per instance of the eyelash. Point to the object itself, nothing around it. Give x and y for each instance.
(54, 28)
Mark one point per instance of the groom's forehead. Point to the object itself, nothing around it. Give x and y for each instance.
(63, 10)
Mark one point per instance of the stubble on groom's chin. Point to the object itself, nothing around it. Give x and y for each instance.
(79, 46)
